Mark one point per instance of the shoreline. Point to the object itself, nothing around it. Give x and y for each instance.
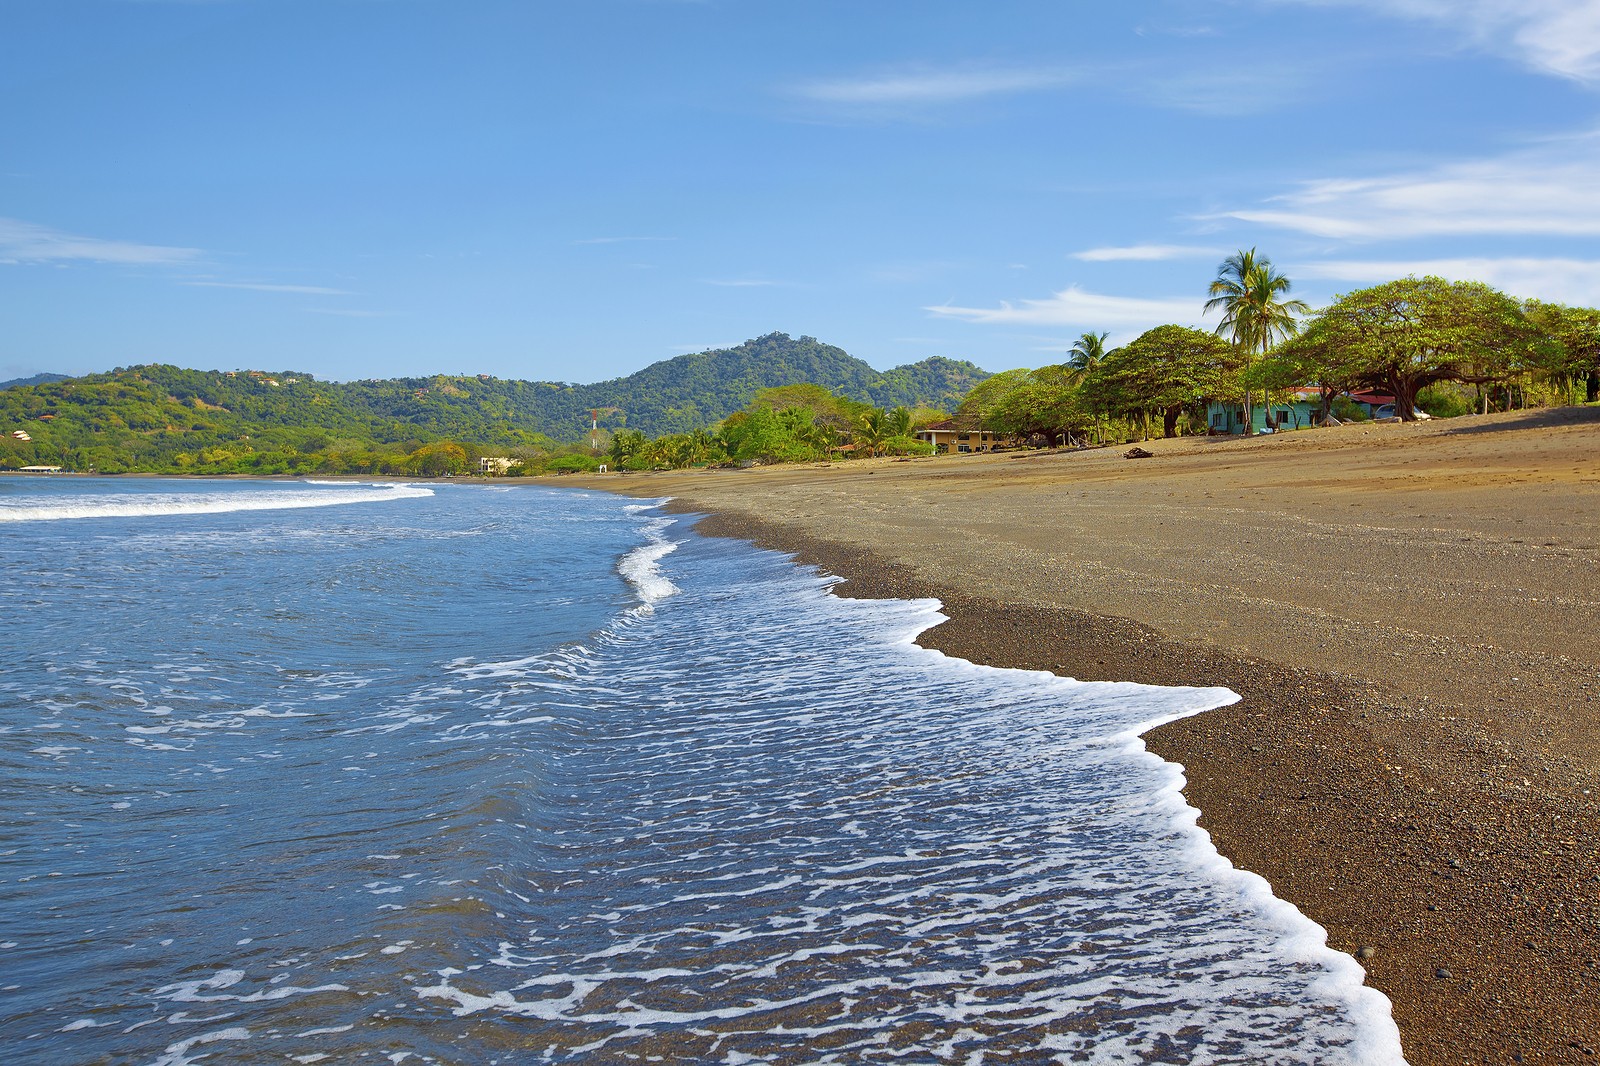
(1445, 842)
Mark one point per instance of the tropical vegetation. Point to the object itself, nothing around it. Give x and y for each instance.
(1445, 347)
(168, 419)
(786, 424)
(1436, 346)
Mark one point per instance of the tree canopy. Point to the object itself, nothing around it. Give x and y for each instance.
(1165, 370)
(1405, 335)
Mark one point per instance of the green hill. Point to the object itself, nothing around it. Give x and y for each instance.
(37, 379)
(162, 417)
(677, 395)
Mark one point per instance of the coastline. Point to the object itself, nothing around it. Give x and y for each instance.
(1434, 813)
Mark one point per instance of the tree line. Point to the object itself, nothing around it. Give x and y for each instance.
(1453, 345)
(783, 424)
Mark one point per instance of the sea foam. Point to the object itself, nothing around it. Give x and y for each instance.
(141, 505)
(641, 567)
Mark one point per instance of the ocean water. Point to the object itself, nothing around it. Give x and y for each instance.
(297, 772)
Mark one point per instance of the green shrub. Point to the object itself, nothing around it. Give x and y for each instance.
(1444, 401)
(1347, 410)
(578, 464)
(906, 446)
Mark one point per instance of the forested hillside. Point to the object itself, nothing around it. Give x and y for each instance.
(160, 417)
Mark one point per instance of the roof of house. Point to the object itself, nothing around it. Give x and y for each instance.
(950, 425)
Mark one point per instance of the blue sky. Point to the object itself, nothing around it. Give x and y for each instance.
(571, 189)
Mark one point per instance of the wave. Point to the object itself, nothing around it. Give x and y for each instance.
(146, 505)
(641, 567)
(836, 840)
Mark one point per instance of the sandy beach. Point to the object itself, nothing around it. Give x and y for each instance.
(1411, 613)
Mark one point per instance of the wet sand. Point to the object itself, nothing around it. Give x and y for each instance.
(1411, 613)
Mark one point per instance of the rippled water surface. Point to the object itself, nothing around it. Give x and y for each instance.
(300, 773)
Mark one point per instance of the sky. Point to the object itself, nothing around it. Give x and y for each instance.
(569, 190)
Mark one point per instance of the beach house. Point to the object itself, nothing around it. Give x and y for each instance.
(1295, 409)
(948, 438)
(496, 465)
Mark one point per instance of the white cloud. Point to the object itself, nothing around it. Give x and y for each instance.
(303, 290)
(1572, 281)
(1161, 29)
(1079, 310)
(930, 86)
(1560, 37)
(1209, 89)
(1551, 190)
(1221, 91)
(26, 242)
(1145, 253)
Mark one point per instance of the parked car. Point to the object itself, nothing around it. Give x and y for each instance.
(1387, 411)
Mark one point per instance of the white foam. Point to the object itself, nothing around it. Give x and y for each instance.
(642, 566)
(147, 505)
(990, 852)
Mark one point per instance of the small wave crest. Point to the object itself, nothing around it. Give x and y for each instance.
(145, 505)
(641, 567)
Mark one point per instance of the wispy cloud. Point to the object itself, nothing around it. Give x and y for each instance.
(1226, 90)
(1574, 281)
(26, 242)
(1145, 253)
(924, 85)
(1174, 29)
(1559, 37)
(622, 240)
(1551, 190)
(255, 286)
(1073, 307)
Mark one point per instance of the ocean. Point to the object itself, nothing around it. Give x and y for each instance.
(301, 772)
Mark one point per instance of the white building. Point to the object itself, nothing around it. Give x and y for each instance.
(496, 465)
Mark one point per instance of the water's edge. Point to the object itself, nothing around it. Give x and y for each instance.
(1369, 1007)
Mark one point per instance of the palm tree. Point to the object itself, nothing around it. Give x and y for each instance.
(1086, 354)
(1248, 291)
(872, 429)
(1087, 351)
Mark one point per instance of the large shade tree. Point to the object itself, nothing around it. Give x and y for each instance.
(1251, 294)
(1405, 335)
(1576, 331)
(1165, 370)
(1046, 402)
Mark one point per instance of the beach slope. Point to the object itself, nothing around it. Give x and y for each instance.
(1411, 613)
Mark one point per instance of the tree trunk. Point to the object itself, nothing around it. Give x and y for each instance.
(1405, 399)
(1169, 420)
(1592, 391)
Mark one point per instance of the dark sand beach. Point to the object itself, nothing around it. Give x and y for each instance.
(1411, 613)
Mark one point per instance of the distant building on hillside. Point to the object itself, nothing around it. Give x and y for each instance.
(497, 465)
(948, 438)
